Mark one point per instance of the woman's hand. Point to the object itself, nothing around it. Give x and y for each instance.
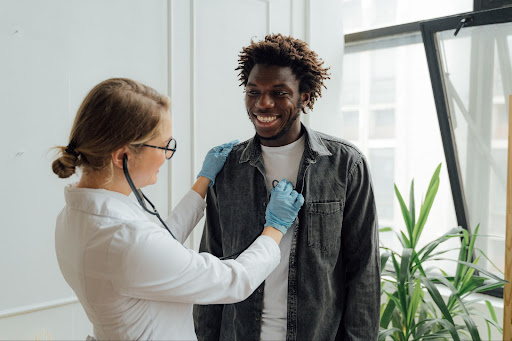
(214, 160)
(212, 164)
(283, 207)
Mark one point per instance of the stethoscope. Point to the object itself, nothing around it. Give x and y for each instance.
(141, 197)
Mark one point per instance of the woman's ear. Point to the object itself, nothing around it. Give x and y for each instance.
(118, 155)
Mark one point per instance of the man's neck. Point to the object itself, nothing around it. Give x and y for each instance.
(291, 136)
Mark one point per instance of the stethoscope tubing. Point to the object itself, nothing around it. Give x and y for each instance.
(141, 196)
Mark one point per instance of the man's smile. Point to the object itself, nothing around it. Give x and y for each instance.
(265, 120)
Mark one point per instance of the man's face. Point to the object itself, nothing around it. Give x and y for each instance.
(274, 104)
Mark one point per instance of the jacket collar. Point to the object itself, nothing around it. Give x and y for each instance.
(313, 148)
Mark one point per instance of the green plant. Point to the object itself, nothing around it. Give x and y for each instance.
(407, 314)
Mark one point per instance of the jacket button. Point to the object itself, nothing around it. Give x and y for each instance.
(260, 290)
(265, 204)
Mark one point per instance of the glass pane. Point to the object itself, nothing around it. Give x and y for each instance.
(350, 129)
(382, 124)
(362, 15)
(351, 79)
(382, 167)
(477, 76)
(383, 71)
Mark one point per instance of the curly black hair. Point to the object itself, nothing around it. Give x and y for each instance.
(281, 50)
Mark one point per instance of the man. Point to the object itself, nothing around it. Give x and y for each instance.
(327, 285)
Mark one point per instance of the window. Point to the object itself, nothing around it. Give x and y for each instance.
(389, 112)
(363, 15)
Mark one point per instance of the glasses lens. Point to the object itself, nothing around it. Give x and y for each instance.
(171, 148)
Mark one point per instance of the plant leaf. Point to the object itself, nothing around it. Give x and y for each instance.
(406, 243)
(435, 176)
(491, 311)
(472, 244)
(405, 212)
(437, 298)
(449, 326)
(459, 273)
(424, 211)
(490, 261)
(412, 210)
(427, 249)
(387, 332)
(405, 266)
(383, 261)
(387, 314)
(416, 298)
(470, 324)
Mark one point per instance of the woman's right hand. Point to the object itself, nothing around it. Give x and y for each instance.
(283, 207)
(214, 160)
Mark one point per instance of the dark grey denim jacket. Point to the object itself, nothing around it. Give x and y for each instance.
(334, 274)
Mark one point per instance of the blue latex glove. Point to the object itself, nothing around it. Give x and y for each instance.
(283, 207)
(214, 160)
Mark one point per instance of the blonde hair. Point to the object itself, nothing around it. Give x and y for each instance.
(115, 113)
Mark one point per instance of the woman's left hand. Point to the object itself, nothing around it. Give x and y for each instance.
(214, 160)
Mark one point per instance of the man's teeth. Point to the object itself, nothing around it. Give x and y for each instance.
(266, 119)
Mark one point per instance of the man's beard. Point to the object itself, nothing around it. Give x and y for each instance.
(286, 128)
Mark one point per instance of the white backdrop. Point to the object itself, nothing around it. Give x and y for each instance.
(54, 51)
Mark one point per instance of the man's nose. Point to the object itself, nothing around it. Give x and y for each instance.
(265, 101)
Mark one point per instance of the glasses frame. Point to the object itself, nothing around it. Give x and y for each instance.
(166, 148)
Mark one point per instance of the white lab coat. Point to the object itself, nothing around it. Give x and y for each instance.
(133, 279)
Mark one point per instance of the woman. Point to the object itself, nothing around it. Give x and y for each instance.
(134, 280)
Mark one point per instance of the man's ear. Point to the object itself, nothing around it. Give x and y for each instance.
(305, 97)
(118, 155)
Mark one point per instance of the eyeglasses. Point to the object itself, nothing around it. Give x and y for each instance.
(170, 148)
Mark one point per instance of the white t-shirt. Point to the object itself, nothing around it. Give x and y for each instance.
(280, 163)
(137, 282)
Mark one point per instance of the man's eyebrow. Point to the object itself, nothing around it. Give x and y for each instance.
(281, 85)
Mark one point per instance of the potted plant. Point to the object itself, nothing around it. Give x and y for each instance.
(407, 314)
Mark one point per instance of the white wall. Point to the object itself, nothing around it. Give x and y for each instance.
(54, 51)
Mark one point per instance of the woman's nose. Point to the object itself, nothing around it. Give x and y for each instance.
(265, 102)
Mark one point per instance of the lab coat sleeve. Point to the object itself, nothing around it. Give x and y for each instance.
(157, 267)
(186, 214)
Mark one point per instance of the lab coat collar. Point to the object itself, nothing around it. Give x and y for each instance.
(102, 202)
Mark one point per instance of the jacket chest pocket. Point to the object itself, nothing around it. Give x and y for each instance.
(324, 224)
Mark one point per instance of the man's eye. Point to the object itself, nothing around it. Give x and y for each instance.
(252, 92)
(281, 93)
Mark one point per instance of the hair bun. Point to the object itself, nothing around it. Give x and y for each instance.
(65, 165)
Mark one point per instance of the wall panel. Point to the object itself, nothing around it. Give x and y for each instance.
(53, 53)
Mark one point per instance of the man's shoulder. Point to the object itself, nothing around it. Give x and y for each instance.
(338, 145)
(239, 148)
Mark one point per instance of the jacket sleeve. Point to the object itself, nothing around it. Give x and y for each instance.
(208, 318)
(360, 249)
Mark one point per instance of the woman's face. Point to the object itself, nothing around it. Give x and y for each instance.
(144, 166)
